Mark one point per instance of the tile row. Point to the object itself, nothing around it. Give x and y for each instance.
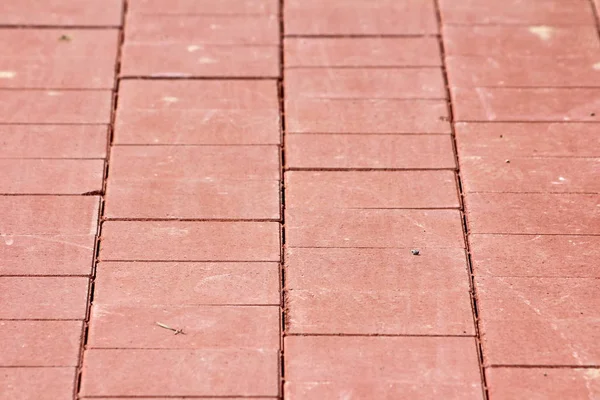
(524, 97)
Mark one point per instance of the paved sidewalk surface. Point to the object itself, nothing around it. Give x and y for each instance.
(299, 199)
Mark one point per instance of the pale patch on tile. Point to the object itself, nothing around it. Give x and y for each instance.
(170, 99)
(542, 31)
(7, 74)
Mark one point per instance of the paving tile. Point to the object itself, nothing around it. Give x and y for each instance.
(171, 112)
(48, 215)
(231, 372)
(373, 228)
(378, 291)
(530, 175)
(534, 40)
(511, 104)
(40, 343)
(368, 83)
(517, 12)
(179, 199)
(359, 17)
(527, 139)
(51, 176)
(53, 58)
(362, 52)
(186, 283)
(53, 141)
(55, 106)
(369, 151)
(381, 367)
(37, 383)
(204, 7)
(118, 326)
(542, 383)
(533, 213)
(203, 29)
(166, 182)
(45, 254)
(190, 241)
(524, 71)
(539, 321)
(305, 115)
(187, 61)
(371, 189)
(62, 13)
(43, 298)
(253, 163)
(535, 256)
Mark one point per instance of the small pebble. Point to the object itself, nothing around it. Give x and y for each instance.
(415, 252)
(507, 161)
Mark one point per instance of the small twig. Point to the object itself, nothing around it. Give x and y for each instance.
(177, 331)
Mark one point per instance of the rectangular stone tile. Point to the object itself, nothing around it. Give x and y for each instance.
(204, 7)
(239, 182)
(362, 52)
(515, 105)
(533, 213)
(171, 112)
(62, 13)
(378, 291)
(530, 175)
(55, 106)
(373, 228)
(186, 283)
(527, 139)
(53, 141)
(371, 189)
(381, 367)
(135, 326)
(539, 321)
(53, 58)
(543, 383)
(48, 215)
(46, 254)
(368, 83)
(230, 372)
(193, 198)
(51, 176)
(305, 115)
(38, 383)
(359, 17)
(536, 40)
(535, 256)
(203, 29)
(43, 298)
(40, 343)
(186, 61)
(517, 12)
(190, 241)
(524, 71)
(369, 151)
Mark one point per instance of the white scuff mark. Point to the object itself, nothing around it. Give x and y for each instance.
(8, 241)
(487, 108)
(53, 93)
(596, 66)
(207, 60)
(193, 47)
(543, 32)
(7, 74)
(170, 99)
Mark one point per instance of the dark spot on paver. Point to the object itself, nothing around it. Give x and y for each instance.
(501, 136)
(415, 252)
(592, 114)
(64, 38)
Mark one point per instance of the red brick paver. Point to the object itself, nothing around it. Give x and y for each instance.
(299, 199)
